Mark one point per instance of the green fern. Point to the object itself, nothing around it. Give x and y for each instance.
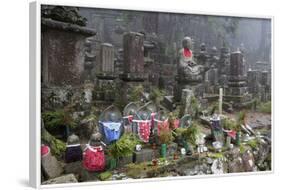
(124, 146)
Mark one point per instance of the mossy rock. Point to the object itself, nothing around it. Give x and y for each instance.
(57, 146)
(105, 176)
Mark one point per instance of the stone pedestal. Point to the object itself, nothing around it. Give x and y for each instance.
(193, 83)
(133, 67)
(186, 101)
(143, 156)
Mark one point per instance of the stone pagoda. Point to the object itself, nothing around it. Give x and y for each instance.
(237, 92)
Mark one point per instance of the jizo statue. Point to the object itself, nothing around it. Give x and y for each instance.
(188, 69)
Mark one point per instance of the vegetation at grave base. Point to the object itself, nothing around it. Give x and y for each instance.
(240, 120)
(56, 145)
(135, 170)
(253, 143)
(135, 166)
(216, 155)
(57, 118)
(241, 117)
(234, 124)
(189, 134)
(105, 176)
(171, 118)
(242, 148)
(124, 146)
(180, 131)
(156, 95)
(119, 101)
(135, 93)
(265, 107)
(229, 124)
(194, 106)
(166, 137)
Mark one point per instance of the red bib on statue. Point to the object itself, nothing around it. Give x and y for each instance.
(94, 159)
(187, 52)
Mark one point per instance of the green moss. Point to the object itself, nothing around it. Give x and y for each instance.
(242, 148)
(105, 176)
(253, 143)
(241, 117)
(216, 155)
(156, 95)
(265, 107)
(135, 93)
(191, 133)
(194, 106)
(240, 120)
(135, 170)
(57, 146)
(229, 124)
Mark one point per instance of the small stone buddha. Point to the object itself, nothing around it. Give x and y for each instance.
(73, 150)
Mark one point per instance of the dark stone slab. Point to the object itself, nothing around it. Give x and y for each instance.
(143, 155)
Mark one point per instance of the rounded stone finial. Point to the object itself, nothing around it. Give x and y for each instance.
(73, 139)
(187, 42)
(95, 137)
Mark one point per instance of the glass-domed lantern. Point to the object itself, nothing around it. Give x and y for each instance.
(186, 121)
(111, 124)
(129, 113)
(161, 122)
